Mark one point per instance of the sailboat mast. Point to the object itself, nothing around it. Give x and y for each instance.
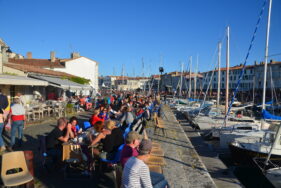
(181, 78)
(227, 70)
(189, 87)
(195, 78)
(265, 61)
(219, 74)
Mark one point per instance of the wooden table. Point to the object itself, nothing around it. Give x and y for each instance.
(71, 151)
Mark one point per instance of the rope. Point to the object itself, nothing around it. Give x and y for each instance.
(245, 62)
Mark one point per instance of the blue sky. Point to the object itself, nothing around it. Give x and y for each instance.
(121, 32)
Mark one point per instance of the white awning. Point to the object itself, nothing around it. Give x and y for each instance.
(62, 83)
(20, 80)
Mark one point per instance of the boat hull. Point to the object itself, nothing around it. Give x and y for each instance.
(244, 156)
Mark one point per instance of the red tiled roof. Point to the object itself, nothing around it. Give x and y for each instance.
(44, 63)
(38, 70)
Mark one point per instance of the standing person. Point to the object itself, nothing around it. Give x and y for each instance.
(17, 115)
(3, 100)
(5, 106)
(2, 146)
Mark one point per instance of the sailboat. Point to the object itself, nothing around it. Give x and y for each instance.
(251, 145)
(212, 117)
(271, 169)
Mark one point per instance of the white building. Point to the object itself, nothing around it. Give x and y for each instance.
(82, 67)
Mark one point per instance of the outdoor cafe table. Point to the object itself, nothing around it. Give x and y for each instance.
(73, 148)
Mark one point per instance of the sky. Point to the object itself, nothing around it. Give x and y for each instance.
(122, 33)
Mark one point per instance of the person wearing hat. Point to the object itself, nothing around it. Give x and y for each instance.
(136, 173)
(133, 140)
(17, 115)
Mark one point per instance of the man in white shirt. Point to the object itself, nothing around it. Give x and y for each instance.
(136, 173)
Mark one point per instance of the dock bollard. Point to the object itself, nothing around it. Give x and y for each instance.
(29, 161)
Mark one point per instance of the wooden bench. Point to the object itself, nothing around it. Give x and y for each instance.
(159, 125)
(157, 152)
(155, 168)
(155, 160)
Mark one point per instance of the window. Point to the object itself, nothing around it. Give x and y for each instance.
(222, 78)
(230, 77)
(222, 85)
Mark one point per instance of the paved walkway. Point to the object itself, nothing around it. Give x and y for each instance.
(183, 166)
(222, 175)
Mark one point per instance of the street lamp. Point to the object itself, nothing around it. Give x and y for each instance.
(161, 70)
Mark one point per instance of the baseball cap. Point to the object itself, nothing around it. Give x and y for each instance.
(133, 135)
(145, 147)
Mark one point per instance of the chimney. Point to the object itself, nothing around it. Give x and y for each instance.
(52, 58)
(29, 55)
(74, 55)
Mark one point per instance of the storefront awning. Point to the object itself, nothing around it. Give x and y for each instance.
(20, 80)
(62, 83)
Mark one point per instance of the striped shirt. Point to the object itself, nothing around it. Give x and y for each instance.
(136, 174)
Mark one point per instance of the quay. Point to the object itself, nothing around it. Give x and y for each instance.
(221, 175)
(199, 165)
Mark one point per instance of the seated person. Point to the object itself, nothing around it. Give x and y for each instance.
(130, 149)
(112, 141)
(104, 114)
(60, 134)
(127, 117)
(95, 117)
(99, 133)
(73, 121)
(88, 104)
(136, 172)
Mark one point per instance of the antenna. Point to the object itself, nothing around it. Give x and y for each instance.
(142, 66)
(113, 72)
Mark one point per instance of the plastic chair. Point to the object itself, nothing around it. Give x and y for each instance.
(140, 116)
(15, 161)
(87, 125)
(42, 149)
(77, 128)
(117, 156)
(126, 132)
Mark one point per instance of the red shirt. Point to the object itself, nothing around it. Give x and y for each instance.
(17, 117)
(140, 112)
(126, 153)
(74, 130)
(95, 119)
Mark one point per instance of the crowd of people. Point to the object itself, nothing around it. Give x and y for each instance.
(112, 115)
